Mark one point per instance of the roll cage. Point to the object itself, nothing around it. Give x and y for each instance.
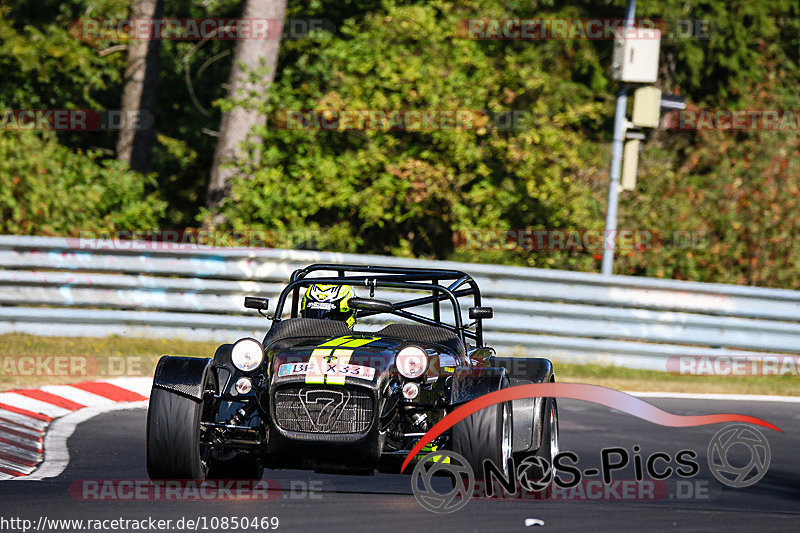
(444, 285)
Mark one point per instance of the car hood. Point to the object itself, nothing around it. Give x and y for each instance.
(353, 359)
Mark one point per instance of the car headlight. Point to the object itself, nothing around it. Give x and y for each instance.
(247, 354)
(411, 361)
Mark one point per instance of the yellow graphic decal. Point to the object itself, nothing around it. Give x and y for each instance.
(339, 359)
(336, 342)
(325, 363)
(331, 367)
(315, 369)
(348, 341)
(436, 458)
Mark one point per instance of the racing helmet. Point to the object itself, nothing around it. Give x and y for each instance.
(330, 302)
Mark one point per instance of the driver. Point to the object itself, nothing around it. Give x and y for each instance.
(330, 302)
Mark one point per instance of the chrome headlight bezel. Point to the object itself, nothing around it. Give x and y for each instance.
(411, 362)
(247, 355)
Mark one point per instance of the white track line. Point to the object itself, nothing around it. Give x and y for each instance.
(77, 395)
(139, 385)
(56, 457)
(29, 404)
(724, 397)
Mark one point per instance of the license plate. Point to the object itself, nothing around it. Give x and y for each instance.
(328, 369)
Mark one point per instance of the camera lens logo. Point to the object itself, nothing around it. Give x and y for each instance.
(534, 473)
(742, 441)
(448, 463)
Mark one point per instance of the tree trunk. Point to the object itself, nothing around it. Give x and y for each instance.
(136, 135)
(236, 124)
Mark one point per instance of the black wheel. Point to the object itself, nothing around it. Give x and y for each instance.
(174, 449)
(542, 469)
(485, 435)
(240, 466)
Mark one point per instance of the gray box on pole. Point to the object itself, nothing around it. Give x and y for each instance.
(636, 53)
(646, 107)
(630, 164)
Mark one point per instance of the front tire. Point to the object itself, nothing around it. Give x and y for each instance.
(484, 435)
(174, 450)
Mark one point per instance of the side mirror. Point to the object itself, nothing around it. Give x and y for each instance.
(481, 312)
(370, 304)
(254, 302)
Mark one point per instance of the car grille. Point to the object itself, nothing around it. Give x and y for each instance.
(312, 409)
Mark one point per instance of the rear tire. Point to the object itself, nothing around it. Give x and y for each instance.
(548, 449)
(486, 434)
(173, 437)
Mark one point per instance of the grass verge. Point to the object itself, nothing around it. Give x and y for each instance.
(630, 379)
(32, 361)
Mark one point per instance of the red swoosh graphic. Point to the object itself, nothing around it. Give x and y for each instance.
(579, 391)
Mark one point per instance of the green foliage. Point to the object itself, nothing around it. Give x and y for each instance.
(733, 195)
(722, 65)
(46, 189)
(739, 201)
(408, 192)
(44, 66)
(191, 77)
(414, 193)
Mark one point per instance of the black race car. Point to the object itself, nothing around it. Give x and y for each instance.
(315, 394)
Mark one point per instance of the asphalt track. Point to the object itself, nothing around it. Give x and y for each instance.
(111, 446)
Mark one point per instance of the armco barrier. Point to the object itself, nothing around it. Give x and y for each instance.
(56, 286)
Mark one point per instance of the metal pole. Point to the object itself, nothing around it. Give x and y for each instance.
(609, 236)
(620, 126)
